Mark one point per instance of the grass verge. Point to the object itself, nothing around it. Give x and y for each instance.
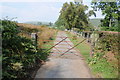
(84, 48)
(99, 66)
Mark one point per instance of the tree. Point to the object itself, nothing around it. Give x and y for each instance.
(50, 23)
(73, 15)
(110, 10)
(39, 23)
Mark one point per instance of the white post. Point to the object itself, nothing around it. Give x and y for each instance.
(34, 38)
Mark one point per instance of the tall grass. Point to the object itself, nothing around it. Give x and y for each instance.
(44, 33)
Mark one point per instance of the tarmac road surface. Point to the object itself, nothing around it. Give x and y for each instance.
(70, 65)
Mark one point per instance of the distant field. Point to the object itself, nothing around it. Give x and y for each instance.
(39, 23)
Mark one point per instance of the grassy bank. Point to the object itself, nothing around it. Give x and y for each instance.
(99, 66)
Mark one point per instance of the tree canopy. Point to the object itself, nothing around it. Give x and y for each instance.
(72, 15)
(110, 10)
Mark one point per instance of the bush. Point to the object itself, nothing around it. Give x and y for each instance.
(19, 53)
(108, 42)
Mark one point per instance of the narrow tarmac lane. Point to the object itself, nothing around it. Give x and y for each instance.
(70, 65)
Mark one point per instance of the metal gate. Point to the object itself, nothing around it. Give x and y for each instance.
(63, 39)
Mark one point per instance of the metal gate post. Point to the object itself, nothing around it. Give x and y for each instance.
(34, 37)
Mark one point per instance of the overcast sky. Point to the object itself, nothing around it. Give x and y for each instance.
(35, 10)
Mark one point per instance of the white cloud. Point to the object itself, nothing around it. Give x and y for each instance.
(34, 11)
(6, 10)
(0, 11)
(31, 13)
